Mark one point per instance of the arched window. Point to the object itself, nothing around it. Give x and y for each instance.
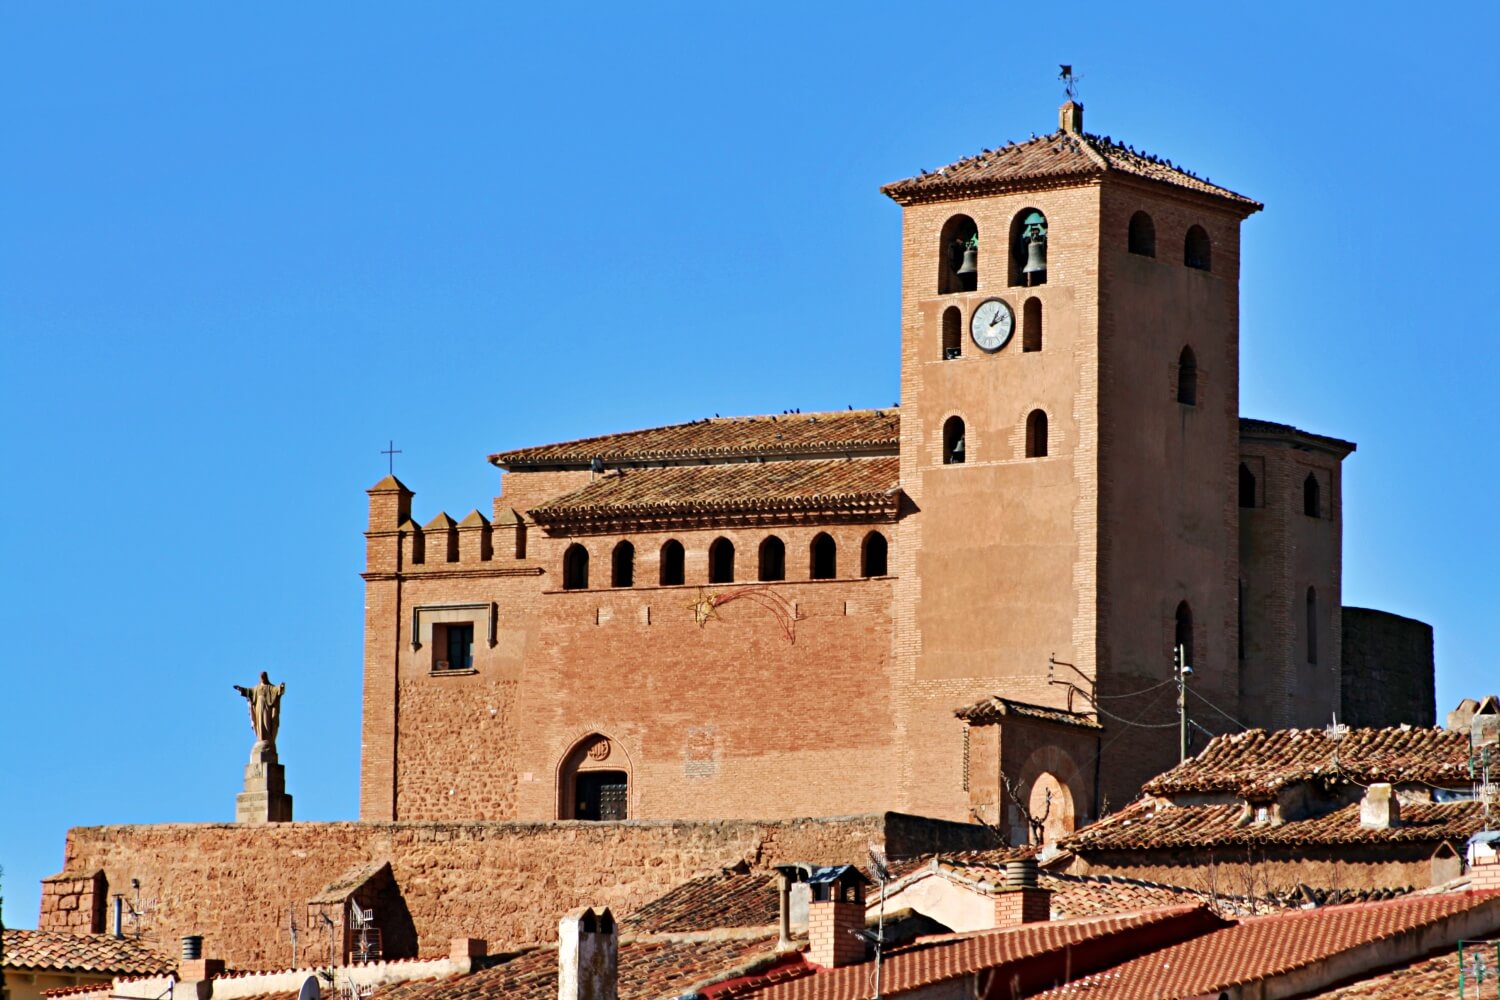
(953, 333)
(672, 573)
(1196, 250)
(772, 559)
(1028, 248)
(1187, 377)
(1312, 496)
(1031, 325)
(953, 441)
(1247, 486)
(1142, 239)
(873, 555)
(576, 568)
(825, 556)
(1312, 625)
(1182, 635)
(721, 561)
(958, 256)
(622, 566)
(1036, 434)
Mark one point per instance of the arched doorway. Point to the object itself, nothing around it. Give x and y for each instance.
(1051, 809)
(593, 782)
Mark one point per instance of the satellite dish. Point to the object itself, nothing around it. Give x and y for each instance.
(310, 989)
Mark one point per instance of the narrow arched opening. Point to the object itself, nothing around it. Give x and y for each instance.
(721, 561)
(672, 572)
(1031, 325)
(1036, 434)
(576, 567)
(1312, 496)
(958, 256)
(1028, 248)
(953, 441)
(1196, 250)
(622, 565)
(953, 334)
(824, 557)
(1187, 377)
(1142, 236)
(1247, 486)
(772, 559)
(874, 555)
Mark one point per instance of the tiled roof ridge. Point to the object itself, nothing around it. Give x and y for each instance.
(575, 450)
(64, 951)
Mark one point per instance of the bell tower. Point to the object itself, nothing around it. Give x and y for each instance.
(1069, 425)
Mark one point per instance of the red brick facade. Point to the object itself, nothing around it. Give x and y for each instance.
(1055, 579)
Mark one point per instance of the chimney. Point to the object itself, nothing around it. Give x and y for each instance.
(463, 951)
(835, 916)
(1020, 900)
(588, 947)
(119, 922)
(1379, 809)
(1070, 117)
(193, 967)
(1484, 873)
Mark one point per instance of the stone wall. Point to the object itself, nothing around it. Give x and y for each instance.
(74, 902)
(507, 883)
(1388, 670)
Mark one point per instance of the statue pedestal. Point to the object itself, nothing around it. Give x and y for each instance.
(264, 799)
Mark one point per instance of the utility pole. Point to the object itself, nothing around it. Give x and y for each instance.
(1183, 671)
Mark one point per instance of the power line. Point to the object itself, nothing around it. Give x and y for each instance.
(1216, 708)
(1133, 694)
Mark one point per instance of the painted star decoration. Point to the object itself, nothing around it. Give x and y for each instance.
(704, 607)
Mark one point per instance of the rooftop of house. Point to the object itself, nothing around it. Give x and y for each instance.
(867, 483)
(1260, 948)
(842, 433)
(1256, 764)
(787, 435)
(1060, 157)
(1144, 825)
(1428, 978)
(996, 709)
(723, 899)
(99, 953)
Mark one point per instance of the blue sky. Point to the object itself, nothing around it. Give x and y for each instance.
(242, 248)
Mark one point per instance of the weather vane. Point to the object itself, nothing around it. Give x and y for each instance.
(1070, 82)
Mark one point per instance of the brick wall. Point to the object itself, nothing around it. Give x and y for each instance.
(1388, 670)
(504, 882)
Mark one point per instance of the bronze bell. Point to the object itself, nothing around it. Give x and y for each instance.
(1036, 256)
(971, 262)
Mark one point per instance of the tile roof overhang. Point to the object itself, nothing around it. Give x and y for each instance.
(1256, 764)
(846, 433)
(1269, 431)
(929, 961)
(1145, 826)
(98, 953)
(1261, 948)
(1060, 159)
(723, 899)
(995, 709)
(855, 489)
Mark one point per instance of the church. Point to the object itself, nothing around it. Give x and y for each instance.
(985, 604)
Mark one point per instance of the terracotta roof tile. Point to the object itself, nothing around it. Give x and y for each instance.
(82, 953)
(1145, 826)
(1262, 947)
(1425, 979)
(648, 970)
(727, 899)
(927, 961)
(1257, 763)
(1059, 157)
(995, 709)
(869, 484)
(860, 432)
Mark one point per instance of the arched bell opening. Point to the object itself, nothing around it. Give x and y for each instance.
(576, 568)
(1031, 326)
(1312, 496)
(823, 556)
(953, 441)
(672, 571)
(593, 781)
(953, 333)
(1028, 248)
(1036, 434)
(622, 566)
(772, 559)
(721, 561)
(958, 256)
(874, 555)
(1142, 237)
(1196, 251)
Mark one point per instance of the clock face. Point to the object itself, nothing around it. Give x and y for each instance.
(992, 324)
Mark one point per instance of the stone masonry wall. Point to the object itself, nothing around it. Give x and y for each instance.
(1388, 670)
(504, 882)
(74, 903)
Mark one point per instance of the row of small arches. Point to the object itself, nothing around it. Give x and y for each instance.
(874, 555)
(1026, 261)
(1312, 492)
(955, 451)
